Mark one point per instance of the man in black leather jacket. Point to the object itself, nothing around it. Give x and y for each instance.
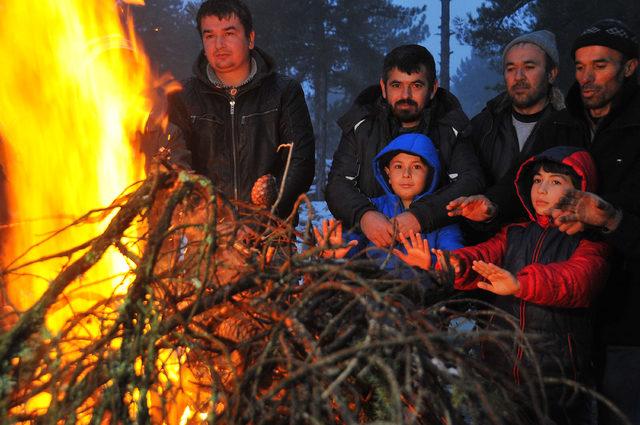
(407, 100)
(245, 118)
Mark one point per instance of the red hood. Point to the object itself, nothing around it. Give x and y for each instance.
(578, 159)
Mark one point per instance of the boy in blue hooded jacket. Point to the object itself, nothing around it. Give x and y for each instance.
(408, 169)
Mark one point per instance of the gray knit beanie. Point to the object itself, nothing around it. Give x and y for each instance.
(544, 39)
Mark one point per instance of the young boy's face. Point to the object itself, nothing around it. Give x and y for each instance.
(407, 176)
(548, 189)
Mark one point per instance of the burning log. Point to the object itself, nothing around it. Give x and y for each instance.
(210, 331)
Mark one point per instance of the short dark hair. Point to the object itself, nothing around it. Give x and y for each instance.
(385, 159)
(558, 168)
(409, 58)
(225, 9)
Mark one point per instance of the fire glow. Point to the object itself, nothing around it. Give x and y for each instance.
(73, 97)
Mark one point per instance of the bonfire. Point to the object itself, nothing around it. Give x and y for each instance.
(133, 298)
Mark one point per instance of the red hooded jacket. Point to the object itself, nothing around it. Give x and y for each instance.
(559, 274)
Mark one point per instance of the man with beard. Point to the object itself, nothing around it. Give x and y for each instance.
(407, 100)
(505, 133)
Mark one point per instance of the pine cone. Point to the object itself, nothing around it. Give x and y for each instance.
(263, 192)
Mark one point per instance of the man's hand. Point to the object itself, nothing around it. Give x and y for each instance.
(418, 254)
(501, 281)
(407, 223)
(577, 209)
(330, 239)
(474, 208)
(377, 228)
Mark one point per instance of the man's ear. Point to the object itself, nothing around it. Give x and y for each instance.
(553, 74)
(383, 86)
(630, 67)
(386, 170)
(252, 39)
(435, 89)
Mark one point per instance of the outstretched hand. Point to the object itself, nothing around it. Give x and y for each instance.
(418, 254)
(474, 208)
(330, 239)
(577, 209)
(500, 281)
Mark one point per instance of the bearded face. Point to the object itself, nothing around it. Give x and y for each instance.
(407, 94)
(526, 77)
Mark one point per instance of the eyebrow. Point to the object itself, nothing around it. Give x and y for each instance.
(564, 176)
(229, 28)
(599, 60)
(531, 61)
(414, 81)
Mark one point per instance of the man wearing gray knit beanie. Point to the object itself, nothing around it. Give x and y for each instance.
(504, 133)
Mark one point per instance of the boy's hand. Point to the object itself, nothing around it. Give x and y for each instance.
(442, 262)
(418, 254)
(474, 208)
(407, 223)
(377, 228)
(501, 281)
(330, 238)
(577, 209)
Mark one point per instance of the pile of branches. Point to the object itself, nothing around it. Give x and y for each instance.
(232, 317)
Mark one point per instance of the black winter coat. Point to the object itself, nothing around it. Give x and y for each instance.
(495, 140)
(368, 127)
(616, 150)
(615, 146)
(236, 139)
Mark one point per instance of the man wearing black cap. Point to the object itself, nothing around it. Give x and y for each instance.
(603, 114)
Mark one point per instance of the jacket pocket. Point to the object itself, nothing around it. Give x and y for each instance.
(259, 137)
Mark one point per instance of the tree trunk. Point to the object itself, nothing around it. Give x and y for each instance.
(445, 53)
(322, 110)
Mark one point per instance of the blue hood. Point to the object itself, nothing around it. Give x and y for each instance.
(414, 144)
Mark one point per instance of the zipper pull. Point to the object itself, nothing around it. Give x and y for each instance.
(232, 106)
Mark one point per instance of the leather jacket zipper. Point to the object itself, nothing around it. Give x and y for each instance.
(232, 111)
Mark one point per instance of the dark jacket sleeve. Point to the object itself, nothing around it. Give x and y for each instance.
(344, 199)
(626, 238)
(465, 178)
(296, 129)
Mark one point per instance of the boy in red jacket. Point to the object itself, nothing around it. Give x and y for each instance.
(546, 279)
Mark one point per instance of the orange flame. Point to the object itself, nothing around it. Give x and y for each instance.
(72, 95)
(75, 91)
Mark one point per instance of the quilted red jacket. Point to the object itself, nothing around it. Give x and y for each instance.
(559, 274)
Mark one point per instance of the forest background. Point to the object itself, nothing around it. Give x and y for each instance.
(335, 47)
